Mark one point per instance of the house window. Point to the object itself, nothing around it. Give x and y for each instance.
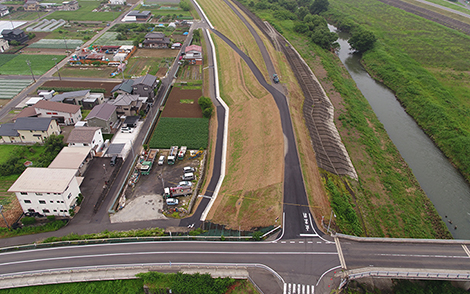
(126, 108)
(39, 194)
(42, 202)
(70, 195)
(22, 137)
(46, 211)
(27, 201)
(85, 144)
(93, 141)
(31, 210)
(55, 210)
(61, 201)
(24, 193)
(58, 201)
(135, 88)
(52, 201)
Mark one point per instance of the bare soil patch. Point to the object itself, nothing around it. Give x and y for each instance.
(85, 85)
(43, 51)
(178, 103)
(251, 195)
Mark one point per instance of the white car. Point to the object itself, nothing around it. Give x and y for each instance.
(185, 184)
(187, 177)
(126, 130)
(189, 169)
(171, 201)
(161, 160)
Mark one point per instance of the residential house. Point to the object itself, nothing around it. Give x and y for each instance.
(15, 35)
(193, 54)
(123, 88)
(64, 113)
(137, 16)
(69, 5)
(86, 136)
(3, 10)
(103, 116)
(4, 46)
(76, 158)
(31, 5)
(29, 130)
(144, 86)
(156, 40)
(83, 97)
(130, 121)
(48, 191)
(127, 104)
(117, 2)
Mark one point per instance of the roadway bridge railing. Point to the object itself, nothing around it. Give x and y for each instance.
(404, 273)
(400, 240)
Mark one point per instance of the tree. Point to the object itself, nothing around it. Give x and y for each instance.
(362, 40)
(185, 5)
(324, 38)
(319, 6)
(206, 106)
(302, 12)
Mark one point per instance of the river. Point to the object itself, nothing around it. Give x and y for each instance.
(443, 184)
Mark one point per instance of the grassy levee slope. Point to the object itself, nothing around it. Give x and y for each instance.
(426, 65)
(225, 21)
(251, 194)
(387, 198)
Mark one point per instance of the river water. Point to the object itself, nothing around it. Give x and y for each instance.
(443, 184)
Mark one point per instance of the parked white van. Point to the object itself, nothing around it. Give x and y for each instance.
(187, 177)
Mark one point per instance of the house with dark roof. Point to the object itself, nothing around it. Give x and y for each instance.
(103, 116)
(3, 10)
(127, 104)
(86, 136)
(144, 86)
(64, 113)
(137, 16)
(156, 40)
(82, 97)
(29, 130)
(15, 35)
(123, 88)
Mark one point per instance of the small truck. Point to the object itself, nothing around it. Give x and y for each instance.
(176, 191)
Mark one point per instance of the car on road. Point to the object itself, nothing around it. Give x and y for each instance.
(126, 130)
(185, 184)
(275, 78)
(161, 160)
(189, 169)
(172, 201)
(187, 177)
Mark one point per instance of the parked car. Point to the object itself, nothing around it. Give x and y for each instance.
(161, 160)
(189, 169)
(275, 78)
(172, 201)
(113, 160)
(187, 177)
(185, 184)
(126, 130)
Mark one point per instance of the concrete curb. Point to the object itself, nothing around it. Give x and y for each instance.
(401, 240)
(224, 144)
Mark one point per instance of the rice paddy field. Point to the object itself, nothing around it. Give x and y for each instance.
(18, 65)
(84, 13)
(109, 39)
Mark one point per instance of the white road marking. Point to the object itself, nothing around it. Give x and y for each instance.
(313, 289)
(292, 242)
(303, 288)
(301, 242)
(422, 255)
(298, 288)
(309, 242)
(163, 253)
(465, 248)
(285, 288)
(290, 288)
(309, 235)
(283, 242)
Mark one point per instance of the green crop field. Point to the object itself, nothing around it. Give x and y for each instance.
(190, 132)
(40, 64)
(85, 13)
(109, 39)
(4, 58)
(56, 44)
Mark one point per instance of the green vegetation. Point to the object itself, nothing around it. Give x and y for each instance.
(409, 287)
(84, 13)
(151, 232)
(346, 217)
(71, 89)
(35, 229)
(110, 39)
(40, 64)
(57, 44)
(181, 283)
(23, 15)
(133, 286)
(425, 64)
(206, 106)
(387, 198)
(190, 132)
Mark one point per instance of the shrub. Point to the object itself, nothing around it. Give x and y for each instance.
(206, 106)
(51, 218)
(28, 220)
(257, 235)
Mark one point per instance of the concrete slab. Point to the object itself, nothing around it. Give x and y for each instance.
(144, 207)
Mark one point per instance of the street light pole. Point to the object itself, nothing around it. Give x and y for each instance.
(29, 64)
(1, 212)
(66, 49)
(58, 72)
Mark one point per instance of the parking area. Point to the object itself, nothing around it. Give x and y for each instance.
(145, 201)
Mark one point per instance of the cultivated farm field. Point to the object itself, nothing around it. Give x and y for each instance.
(190, 132)
(17, 65)
(84, 13)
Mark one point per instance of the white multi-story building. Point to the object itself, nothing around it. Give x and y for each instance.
(86, 136)
(64, 113)
(48, 191)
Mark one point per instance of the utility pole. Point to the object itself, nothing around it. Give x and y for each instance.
(66, 49)
(29, 64)
(58, 72)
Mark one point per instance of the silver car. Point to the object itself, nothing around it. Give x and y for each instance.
(185, 184)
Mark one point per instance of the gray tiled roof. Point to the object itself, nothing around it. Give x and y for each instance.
(125, 86)
(82, 135)
(32, 123)
(73, 94)
(7, 130)
(148, 80)
(102, 111)
(124, 99)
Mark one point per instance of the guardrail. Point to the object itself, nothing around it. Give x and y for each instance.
(410, 275)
